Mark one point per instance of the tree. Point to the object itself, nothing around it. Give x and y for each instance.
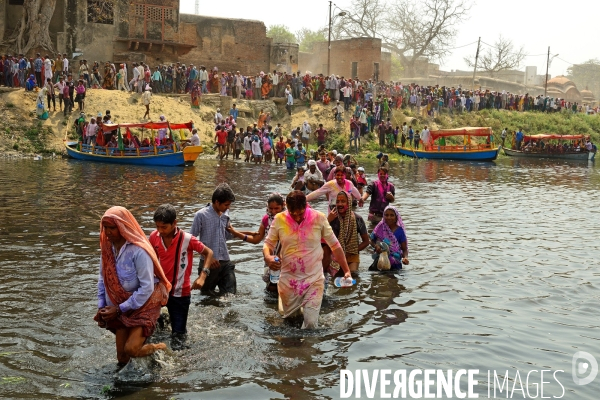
(32, 31)
(586, 76)
(411, 30)
(306, 37)
(499, 57)
(281, 34)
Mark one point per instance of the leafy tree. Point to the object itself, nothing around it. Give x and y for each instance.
(397, 68)
(586, 76)
(307, 37)
(281, 34)
(499, 57)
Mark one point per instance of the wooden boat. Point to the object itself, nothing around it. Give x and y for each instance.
(159, 155)
(546, 152)
(467, 151)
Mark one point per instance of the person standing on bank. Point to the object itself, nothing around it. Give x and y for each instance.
(382, 193)
(210, 227)
(175, 251)
(132, 286)
(299, 230)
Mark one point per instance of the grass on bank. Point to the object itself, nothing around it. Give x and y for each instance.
(532, 123)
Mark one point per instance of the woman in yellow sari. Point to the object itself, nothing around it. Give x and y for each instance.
(262, 118)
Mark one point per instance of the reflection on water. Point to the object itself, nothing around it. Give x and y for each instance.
(502, 276)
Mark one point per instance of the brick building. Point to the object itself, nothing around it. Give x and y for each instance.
(154, 31)
(350, 58)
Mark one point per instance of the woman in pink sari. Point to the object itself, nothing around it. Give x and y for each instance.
(299, 231)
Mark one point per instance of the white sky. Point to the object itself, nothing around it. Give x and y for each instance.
(569, 28)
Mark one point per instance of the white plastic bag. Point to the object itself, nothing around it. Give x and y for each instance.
(383, 264)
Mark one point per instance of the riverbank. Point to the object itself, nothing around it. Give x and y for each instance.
(23, 134)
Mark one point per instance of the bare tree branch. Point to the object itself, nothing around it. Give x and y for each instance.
(409, 29)
(500, 57)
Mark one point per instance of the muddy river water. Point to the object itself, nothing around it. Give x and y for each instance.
(503, 276)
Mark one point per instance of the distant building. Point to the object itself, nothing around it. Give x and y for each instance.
(563, 88)
(350, 58)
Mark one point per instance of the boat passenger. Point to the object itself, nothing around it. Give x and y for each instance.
(131, 285)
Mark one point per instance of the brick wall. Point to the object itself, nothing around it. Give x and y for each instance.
(365, 52)
(229, 44)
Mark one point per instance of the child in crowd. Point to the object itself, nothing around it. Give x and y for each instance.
(361, 179)
(275, 205)
(175, 251)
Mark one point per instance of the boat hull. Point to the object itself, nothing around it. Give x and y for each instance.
(468, 155)
(585, 156)
(180, 158)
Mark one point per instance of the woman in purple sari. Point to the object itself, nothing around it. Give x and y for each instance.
(390, 231)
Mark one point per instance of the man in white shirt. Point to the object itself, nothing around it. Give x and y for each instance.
(203, 77)
(136, 76)
(313, 177)
(65, 64)
(306, 131)
(275, 81)
(347, 91)
(141, 82)
(238, 85)
(218, 116)
(426, 138)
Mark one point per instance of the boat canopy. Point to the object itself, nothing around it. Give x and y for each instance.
(148, 125)
(556, 137)
(468, 131)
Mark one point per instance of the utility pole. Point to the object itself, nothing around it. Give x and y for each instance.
(547, 65)
(476, 58)
(329, 42)
(197, 10)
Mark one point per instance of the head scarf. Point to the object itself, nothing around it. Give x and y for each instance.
(131, 231)
(348, 236)
(383, 231)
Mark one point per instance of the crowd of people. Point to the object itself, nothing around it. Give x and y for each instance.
(198, 80)
(138, 275)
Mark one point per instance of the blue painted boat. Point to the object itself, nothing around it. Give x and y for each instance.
(142, 156)
(171, 155)
(468, 151)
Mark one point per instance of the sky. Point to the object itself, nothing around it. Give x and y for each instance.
(569, 29)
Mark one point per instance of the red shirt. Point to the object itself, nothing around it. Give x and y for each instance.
(168, 257)
(321, 134)
(221, 137)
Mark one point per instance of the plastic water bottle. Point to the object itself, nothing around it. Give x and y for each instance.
(340, 281)
(274, 275)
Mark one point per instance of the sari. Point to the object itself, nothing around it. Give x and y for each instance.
(214, 83)
(382, 232)
(266, 87)
(108, 78)
(147, 315)
(196, 92)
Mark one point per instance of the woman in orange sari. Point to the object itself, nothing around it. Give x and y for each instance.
(131, 287)
(266, 87)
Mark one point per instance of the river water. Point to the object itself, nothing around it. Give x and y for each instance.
(503, 276)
